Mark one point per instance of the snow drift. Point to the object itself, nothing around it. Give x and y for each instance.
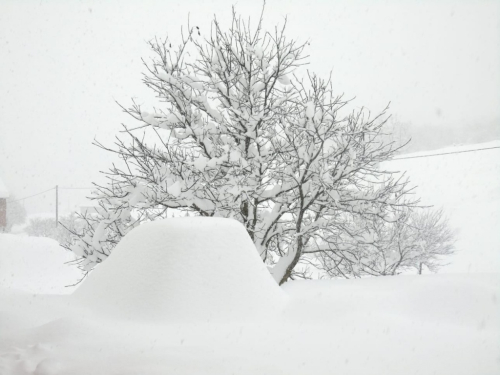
(35, 265)
(429, 324)
(182, 268)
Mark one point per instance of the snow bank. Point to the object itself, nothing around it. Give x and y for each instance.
(442, 324)
(467, 186)
(182, 268)
(35, 265)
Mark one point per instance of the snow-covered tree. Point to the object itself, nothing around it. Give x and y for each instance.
(417, 238)
(240, 132)
(16, 213)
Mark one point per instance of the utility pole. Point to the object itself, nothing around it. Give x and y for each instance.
(57, 205)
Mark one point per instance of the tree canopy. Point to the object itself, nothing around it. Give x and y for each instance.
(241, 130)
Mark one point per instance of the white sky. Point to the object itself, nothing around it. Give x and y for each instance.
(63, 65)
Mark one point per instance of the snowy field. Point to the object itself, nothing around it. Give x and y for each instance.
(199, 300)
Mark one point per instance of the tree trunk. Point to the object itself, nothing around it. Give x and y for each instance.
(293, 263)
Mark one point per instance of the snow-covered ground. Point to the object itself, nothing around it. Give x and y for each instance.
(446, 324)
(35, 265)
(190, 296)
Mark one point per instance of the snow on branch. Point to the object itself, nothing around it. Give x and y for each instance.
(240, 131)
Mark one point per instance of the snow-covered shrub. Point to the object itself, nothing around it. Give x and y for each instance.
(240, 132)
(41, 227)
(46, 227)
(414, 239)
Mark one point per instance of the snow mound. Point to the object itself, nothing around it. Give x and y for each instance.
(183, 268)
(35, 265)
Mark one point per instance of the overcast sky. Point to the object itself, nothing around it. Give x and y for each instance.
(64, 63)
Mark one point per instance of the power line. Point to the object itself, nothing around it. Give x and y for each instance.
(45, 191)
(407, 157)
(444, 153)
(30, 196)
(77, 188)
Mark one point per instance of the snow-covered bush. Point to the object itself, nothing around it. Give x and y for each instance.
(416, 238)
(41, 227)
(46, 227)
(240, 132)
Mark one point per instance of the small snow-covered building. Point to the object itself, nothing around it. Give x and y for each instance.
(4, 194)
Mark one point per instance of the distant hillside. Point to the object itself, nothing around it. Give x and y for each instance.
(431, 137)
